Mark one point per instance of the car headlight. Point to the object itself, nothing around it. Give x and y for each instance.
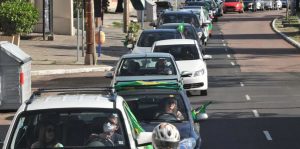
(199, 72)
(187, 143)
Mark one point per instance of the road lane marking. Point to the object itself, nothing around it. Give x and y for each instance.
(247, 97)
(267, 134)
(255, 112)
(228, 56)
(224, 44)
(242, 84)
(223, 40)
(232, 63)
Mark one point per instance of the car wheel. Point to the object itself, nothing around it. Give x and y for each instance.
(203, 92)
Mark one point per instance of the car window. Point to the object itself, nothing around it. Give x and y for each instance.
(179, 52)
(76, 128)
(147, 39)
(154, 107)
(146, 66)
(180, 18)
(189, 31)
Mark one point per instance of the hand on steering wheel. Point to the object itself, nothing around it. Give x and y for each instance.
(166, 116)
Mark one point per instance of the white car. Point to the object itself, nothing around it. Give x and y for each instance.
(188, 58)
(146, 67)
(278, 4)
(73, 116)
(148, 37)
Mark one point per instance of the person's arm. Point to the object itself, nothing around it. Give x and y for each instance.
(179, 115)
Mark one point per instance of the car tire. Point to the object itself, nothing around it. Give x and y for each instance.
(203, 92)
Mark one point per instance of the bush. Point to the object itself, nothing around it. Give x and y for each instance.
(17, 17)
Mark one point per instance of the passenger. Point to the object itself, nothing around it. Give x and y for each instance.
(162, 68)
(113, 119)
(170, 107)
(133, 68)
(109, 137)
(46, 137)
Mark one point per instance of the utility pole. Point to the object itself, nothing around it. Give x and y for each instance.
(126, 16)
(90, 57)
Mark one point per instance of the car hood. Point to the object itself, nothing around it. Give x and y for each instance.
(190, 65)
(184, 128)
(231, 3)
(146, 78)
(141, 49)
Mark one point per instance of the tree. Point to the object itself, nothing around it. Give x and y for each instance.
(120, 6)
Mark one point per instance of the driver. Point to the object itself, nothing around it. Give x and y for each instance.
(170, 107)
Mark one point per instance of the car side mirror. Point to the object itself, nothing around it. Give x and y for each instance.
(130, 46)
(144, 138)
(207, 57)
(186, 74)
(201, 117)
(152, 24)
(109, 75)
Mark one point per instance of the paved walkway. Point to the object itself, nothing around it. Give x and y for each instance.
(60, 56)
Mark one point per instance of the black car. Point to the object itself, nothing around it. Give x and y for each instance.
(146, 105)
(181, 17)
(189, 31)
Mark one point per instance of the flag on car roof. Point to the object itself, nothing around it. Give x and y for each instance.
(180, 27)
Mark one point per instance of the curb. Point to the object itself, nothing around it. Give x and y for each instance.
(290, 40)
(70, 71)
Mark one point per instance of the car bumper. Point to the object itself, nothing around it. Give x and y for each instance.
(195, 83)
(232, 9)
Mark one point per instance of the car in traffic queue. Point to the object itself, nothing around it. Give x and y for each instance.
(188, 30)
(189, 58)
(180, 17)
(148, 101)
(233, 6)
(74, 116)
(212, 11)
(146, 67)
(148, 37)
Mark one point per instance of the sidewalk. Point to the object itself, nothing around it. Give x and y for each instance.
(60, 56)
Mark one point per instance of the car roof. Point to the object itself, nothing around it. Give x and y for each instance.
(159, 30)
(178, 12)
(175, 42)
(73, 101)
(137, 55)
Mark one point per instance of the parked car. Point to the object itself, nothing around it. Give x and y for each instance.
(233, 6)
(189, 31)
(162, 6)
(149, 104)
(278, 4)
(73, 116)
(189, 58)
(146, 67)
(269, 4)
(248, 5)
(148, 37)
(284, 3)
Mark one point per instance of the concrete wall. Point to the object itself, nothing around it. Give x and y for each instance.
(62, 17)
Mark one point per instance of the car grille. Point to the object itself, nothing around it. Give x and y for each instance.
(196, 85)
(230, 7)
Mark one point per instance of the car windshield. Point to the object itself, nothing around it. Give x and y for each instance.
(180, 18)
(146, 66)
(157, 107)
(179, 52)
(189, 31)
(148, 38)
(69, 128)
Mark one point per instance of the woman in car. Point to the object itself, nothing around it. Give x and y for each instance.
(170, 108)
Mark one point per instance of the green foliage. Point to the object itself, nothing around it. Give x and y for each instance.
(133, 29)
(17, 17)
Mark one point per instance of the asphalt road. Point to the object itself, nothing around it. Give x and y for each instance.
(253, 84)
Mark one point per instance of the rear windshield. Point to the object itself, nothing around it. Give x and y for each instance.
(180, 18)
(189, 32)
(179, 52)
(69, 128)
(147, 39)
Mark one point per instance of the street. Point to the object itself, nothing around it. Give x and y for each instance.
(254, 83)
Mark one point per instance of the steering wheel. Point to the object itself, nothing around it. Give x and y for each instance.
(100, 142)
(166, 116)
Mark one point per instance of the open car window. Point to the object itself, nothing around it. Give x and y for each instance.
(71, 128)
